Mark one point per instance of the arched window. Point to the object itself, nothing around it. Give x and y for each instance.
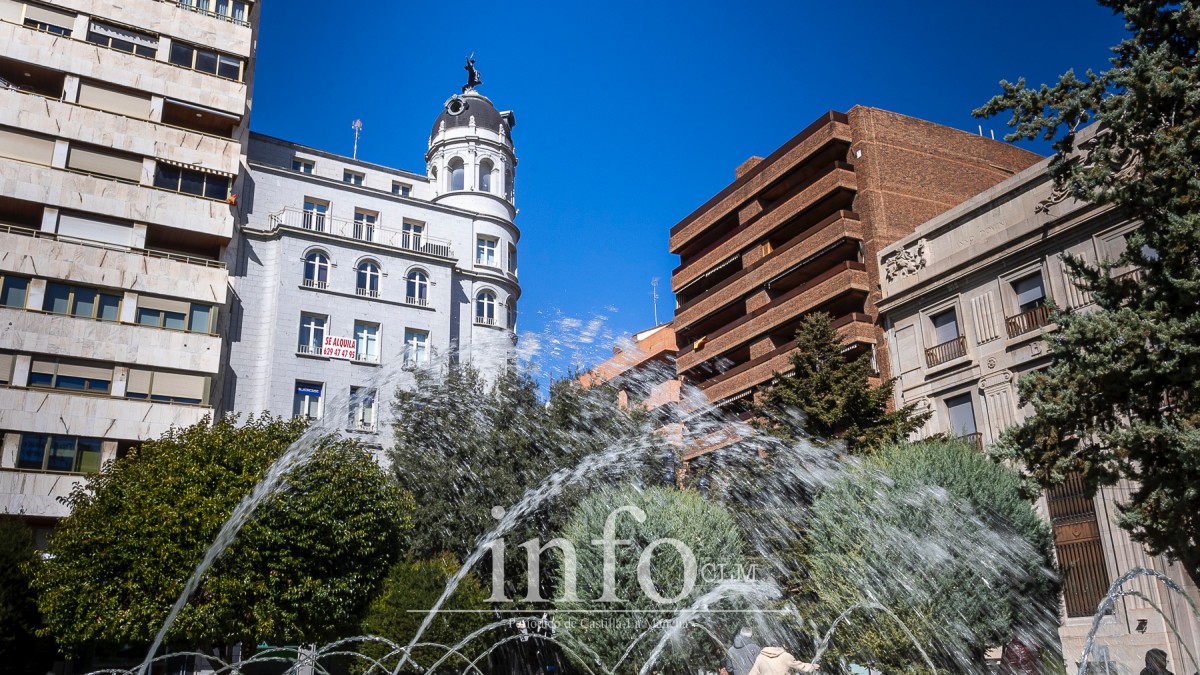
(368, 279)
(456, 174)
(485, 175)
(508, 183)
(417, 288)
(485, 308)
(316, 270)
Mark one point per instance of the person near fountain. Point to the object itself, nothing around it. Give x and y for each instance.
(741, 656)
(776, 661)
(1156, 663)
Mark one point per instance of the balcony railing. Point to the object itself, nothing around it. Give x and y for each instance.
(308, 349)
(227, 16)
(1027, 321)
(356, 230)
(164, 255)
(974, 440)
(419, 302)
(486, 321)
(366, 358)
(947, 351)
(367, 292)
(364, 427)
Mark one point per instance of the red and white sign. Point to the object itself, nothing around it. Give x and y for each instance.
(338, 347)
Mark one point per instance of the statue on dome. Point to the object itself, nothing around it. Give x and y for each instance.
(473, 78)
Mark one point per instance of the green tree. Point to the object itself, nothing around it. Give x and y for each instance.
(1119, 399)
(303, 570)
(20, 648)
(829, 397)
(409, 591)
(707, 530)
(942, 536)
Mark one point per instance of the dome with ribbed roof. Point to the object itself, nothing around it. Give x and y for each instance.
(459, 110)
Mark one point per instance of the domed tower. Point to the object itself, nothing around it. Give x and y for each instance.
(471, 161)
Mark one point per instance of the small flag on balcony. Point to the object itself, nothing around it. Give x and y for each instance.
(231, 199)
(699, 344)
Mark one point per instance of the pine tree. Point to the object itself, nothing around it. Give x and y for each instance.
(1118, 401)
(827, 396)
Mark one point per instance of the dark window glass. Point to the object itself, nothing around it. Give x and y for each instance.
(181, 55)
(149, 317)
(58, 298)
(192, 183)
(174, 320)
(199, 322)
(62, 454)
(143, 50)
(41, 379)
(216, 187)
(109, 307)
(13, 292)
(166, 176)
(33, 451)
(122, 45)
(206, 61)
(70, 382)
(229, 67)
(97, 39)
(89, 455)
(85, 302)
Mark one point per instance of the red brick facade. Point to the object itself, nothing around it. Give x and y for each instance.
(799, 231)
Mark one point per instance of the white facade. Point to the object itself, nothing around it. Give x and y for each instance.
(121, 136)
(965, 298)
(348, 276)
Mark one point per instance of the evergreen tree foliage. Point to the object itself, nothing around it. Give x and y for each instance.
(464, 446)
(943, 537)
(1119, 401)
(829, 397)
(303, 570)
(409, 591)
(20, 648)
(684, 515)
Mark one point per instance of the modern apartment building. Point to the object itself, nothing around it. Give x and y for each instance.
(643, 369)
(798, 232)
(964, 299)
(122, 132)
(348, 276)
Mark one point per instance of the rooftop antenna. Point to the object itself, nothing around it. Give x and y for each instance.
(357, 127)
(654, 295)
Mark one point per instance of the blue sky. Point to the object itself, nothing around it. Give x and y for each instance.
(632, 114)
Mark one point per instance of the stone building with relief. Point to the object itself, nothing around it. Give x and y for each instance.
(965, 306)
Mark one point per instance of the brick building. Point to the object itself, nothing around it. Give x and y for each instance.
(799, 231)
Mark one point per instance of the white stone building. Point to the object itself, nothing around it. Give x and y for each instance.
(349, 275)
(122, 132)
(965, 298)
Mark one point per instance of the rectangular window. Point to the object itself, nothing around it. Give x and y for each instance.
(362, 409)
(67, 454)
(366, 342)
(411, 235)
(71, 376)
(106, 163)
(402, 189)
(20, 145)
(1030, 292)
(512, 259)
(312, 334)
(163, 387)
(193, 317)
(80, 301)
(49, 20)
(122, 39)
(314, 214)
(302, 165)
(352, 177)
(961, 412)
(93, 228)
(191, 182)
(307, 400)
(13, 291)
(416, 348)
(364, 225)
(945, 327)
(485, 251)
(6, 367)
(206, 61)
(119, 102)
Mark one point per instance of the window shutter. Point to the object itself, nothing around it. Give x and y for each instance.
(51, 16)
(104, 164)
(87, 372)
(164, 304)
(42, 366)
(26, 148)
(138, 382)
(11, 11)
(124, 34)
(118, 102)
(179, 386)
(1029, 290)
(82, 227)
(6, 367)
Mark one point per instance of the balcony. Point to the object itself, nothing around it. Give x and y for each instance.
(1027, 321)
(41, 411)
(226, 16)
(974, 440)
(313, 283)
(312, 221)
(366, 292)
(36, 493)
(847, 277)
(946, 352)
(415, 301)
(487, 321)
